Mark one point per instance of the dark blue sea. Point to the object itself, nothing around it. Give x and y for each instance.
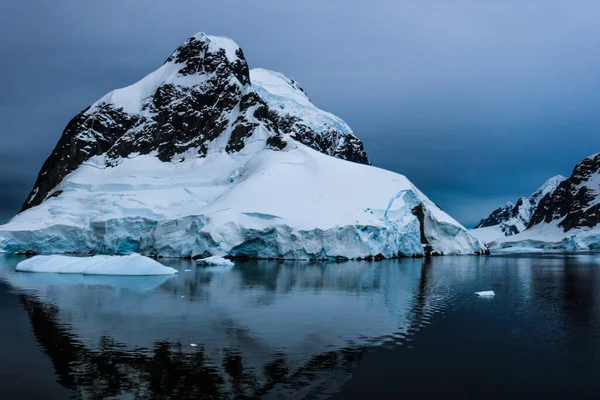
(410, 329)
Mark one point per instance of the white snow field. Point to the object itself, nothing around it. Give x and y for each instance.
(259, 202)
(133, 264)
(297, 204)
(215, 260)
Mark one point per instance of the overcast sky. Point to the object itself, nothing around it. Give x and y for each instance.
(477, 102)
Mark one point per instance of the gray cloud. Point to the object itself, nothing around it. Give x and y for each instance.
(477, 102)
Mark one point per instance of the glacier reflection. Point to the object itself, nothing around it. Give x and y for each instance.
(283, 329)
(260, 328)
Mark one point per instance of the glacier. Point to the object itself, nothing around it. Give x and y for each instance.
(205, 157)
(295, 204)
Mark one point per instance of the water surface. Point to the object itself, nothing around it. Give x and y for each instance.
(403, 328)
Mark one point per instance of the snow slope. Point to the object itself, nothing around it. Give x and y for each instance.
(296, 203)
(205, 157)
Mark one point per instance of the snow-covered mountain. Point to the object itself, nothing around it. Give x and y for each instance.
(565, 218)
(510, 219)
(204, 156)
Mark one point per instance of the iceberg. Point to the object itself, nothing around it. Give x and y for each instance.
(486, 293)
(215, 260)
(133, 264)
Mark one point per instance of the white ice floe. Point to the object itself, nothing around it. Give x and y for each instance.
(486, 293)
(133, 264)
(216, 260)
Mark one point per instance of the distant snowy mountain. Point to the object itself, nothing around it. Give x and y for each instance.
(566, 216)
(205, 157)
(511, 219)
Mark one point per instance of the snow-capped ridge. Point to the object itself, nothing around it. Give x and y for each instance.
(511, 219)
(548, 187)
(131, 99)
(217, 43)
(565, 215)
(286, 97)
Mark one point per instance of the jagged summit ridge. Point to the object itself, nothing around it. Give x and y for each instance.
(514, 218)
(201, 99)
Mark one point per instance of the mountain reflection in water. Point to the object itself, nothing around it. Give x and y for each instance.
(265, 328)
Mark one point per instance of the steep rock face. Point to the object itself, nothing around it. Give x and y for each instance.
(576, 201)
(202, 97)
(511, 219)
(501, 216)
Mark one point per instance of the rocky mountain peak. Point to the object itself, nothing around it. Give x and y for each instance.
(499, 215)
(204, 54)
(548, 187)
(576, 200)
(514, 218)
(202, 99)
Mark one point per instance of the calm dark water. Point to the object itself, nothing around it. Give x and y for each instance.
(395, 329)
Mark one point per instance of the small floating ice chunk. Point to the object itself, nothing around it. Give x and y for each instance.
(193, 345)
(486, 293)
(215, 260)
(133, 264)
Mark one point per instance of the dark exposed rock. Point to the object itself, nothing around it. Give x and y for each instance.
(498, 216)
(73, 148)
(276, 142)
(379, 257)
(575, 200)
(239, 133)
(419, 212)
